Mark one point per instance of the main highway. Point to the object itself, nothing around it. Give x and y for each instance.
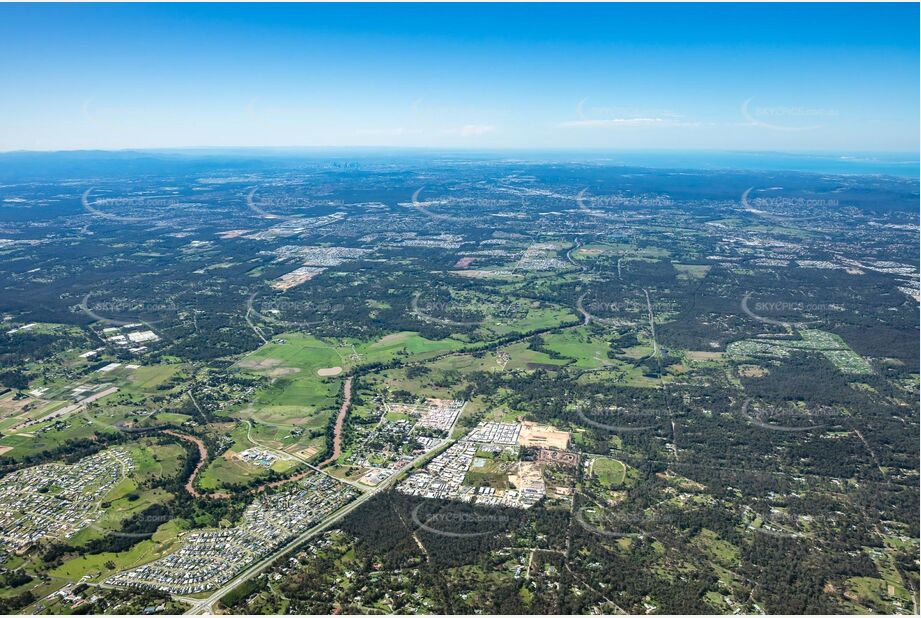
(206, 605)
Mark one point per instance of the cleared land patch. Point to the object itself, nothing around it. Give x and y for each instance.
(534, 434)
(829, 345)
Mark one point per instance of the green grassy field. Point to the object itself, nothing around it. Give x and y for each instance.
(587, 350)
(27, 442)
(153, 460)
(691, 271)
(523, 358)
(720, 550)
(129, 497)
(492, 474)
(404, 343)
(228, 469)
(150, 377)
(225, 471)
(294, 364)
(162, 542)
(609, 472)
(134, 386)
(878, 593)
(291, 413)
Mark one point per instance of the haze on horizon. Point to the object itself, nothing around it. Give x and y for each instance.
(835, 78)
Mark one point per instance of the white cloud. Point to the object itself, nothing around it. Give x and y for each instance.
(470, 130)
(614, 122)
(389, 132)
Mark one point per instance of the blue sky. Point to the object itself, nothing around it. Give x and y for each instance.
(803, 77)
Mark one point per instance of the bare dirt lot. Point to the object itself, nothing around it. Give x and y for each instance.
(280, 372)
(533, 434)
(752, 371)
(564, 458)
(265, 363)
(464, 262)
(527, 475)
(705, 356)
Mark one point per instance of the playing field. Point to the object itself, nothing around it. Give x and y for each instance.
(609, 472)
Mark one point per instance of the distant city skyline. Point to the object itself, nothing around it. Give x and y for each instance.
(752, 77)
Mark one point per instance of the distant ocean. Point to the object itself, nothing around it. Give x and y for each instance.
(24, 164)
(895, 164)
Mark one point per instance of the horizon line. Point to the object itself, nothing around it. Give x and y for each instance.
(485, 149)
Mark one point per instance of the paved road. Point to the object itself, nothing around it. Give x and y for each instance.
(652, 329)
(205, 606)
(306, 462)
